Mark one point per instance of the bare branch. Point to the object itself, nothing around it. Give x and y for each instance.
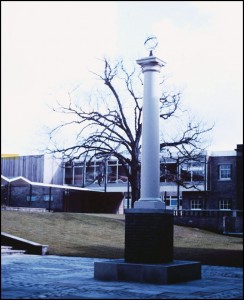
(105, 129)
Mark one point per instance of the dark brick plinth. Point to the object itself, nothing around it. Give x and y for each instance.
(148, 236)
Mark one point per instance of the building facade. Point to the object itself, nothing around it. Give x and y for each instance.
(110, 176)
(224, 183)
(20, 192)
(214, 182)
(36, 168)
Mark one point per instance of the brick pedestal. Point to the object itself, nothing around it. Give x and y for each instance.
(148, 252)
(148, 236)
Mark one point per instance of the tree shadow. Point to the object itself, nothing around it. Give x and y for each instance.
(216, 257)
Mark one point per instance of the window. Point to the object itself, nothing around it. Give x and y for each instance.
(112, 162)
(197, 176)
(122, 177)
(224, 172)
(46, 198)
(225, 204)
(78, 175)
(173, 202)
(196, 204)
(33, 198)
(168, 172)
(90, 173)
(68, 177)
(163, 172)
(112, 173)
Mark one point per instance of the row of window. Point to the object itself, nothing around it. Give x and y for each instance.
(185, 172)
(42, 198)
(224, 204)
(81, 174)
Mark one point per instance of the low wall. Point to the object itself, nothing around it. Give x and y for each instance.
(212, 220)
(22, 244)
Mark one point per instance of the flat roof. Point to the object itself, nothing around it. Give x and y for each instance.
(223, 153)
(21, 181)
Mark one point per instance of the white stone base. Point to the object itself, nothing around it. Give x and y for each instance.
(150, 204)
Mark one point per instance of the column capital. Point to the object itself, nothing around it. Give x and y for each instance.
(151, 63)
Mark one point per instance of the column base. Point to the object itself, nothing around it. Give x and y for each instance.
(153, 203)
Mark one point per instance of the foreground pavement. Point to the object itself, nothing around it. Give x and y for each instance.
(62, 277)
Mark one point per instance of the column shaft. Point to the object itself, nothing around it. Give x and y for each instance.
(150, 159)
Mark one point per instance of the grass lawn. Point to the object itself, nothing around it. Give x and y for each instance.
(102, 235)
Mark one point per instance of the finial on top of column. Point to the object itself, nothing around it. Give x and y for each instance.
(151, 43)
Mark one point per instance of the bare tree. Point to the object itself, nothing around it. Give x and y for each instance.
(114, 127)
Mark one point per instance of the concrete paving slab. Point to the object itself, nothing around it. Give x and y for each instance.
(62, 277)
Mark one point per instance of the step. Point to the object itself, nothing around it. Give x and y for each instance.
(10, 252)
(7, 250)
(6, 247)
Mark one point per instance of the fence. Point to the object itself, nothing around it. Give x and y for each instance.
(221, 221)
(26, 209)
(208, 213)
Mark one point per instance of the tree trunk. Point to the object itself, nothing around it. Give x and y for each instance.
(135, 186)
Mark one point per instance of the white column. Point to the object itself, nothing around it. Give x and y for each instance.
(150, 159)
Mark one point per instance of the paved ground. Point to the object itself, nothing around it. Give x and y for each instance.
(56, 277)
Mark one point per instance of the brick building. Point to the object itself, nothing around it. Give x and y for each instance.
(224, 183)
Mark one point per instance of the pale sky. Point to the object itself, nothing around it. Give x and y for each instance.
(48, 48)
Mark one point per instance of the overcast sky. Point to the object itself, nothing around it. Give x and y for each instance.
(48, 48)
